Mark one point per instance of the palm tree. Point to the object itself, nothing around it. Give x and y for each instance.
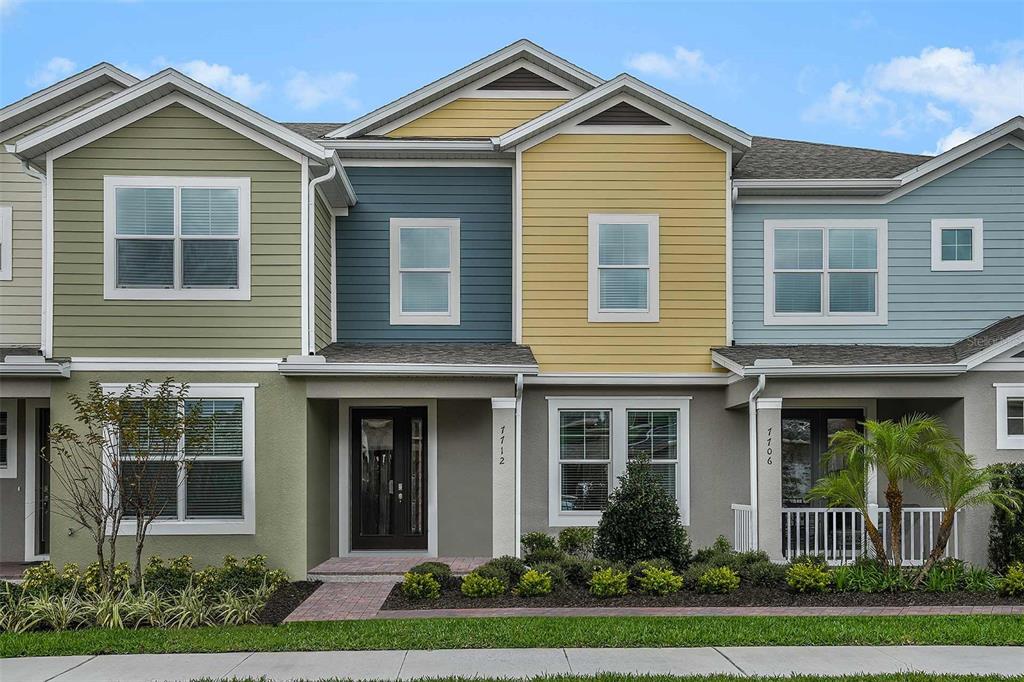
(959, 484)
(900, 450)
(848, 487)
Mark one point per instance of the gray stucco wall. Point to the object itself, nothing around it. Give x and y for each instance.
(925, 307)
(12, 495)
(464, 477)
(321, 424)
(718, 455)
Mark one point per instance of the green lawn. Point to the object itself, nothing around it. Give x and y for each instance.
(615, 677)
(525, 632)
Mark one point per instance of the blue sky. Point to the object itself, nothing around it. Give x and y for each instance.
(915, 77)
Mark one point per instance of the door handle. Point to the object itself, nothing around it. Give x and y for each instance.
(391, 487)
(399, 492)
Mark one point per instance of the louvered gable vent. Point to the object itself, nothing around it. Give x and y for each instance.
(522, 79)
(623, 114)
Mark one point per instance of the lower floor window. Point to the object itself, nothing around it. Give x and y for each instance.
(1010, 416)
(591, 441)
(200, 483)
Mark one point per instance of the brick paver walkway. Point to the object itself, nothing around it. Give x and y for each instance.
(390, 565)
(343, 601)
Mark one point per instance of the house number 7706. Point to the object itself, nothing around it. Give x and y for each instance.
(768, 445)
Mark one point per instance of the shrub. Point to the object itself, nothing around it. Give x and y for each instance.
(637, 569)
(440, 572)
(120, 582)
(496, 572)
(765, 574)
(842, 578)
(423, 585)
(817, 560)
(1012, 584)
(641, 521)
(477, 584)
(45, 578)
(536, 540)
(190, 608)
(895, 580)
(1006, 534)
(534, 583)
(609, 582)
(554, 571)
(512, 567)
(978, 579)
(691, 576)
(945, 576)
(577, 541)
(720, 580)
(168, 577)
(659, 581)
(545, 555)
(721, 545)
(577, 571)
(808, 577)
(240, 576)
(233, 608)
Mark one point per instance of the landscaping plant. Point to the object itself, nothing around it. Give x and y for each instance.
(478, 584)
(658, 581)
(808, 577)
(555, 571)
(534, 583)
(421, 585)
(577, 541)
(641, 521)
(720, 580)
(1012, 584)
(536, 540)
(609, 582)
(441, 572)
(1006, 535)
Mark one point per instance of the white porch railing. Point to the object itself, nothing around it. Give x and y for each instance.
(839, 534)
(742, 527)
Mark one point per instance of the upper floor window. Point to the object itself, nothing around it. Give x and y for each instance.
(1010, 416)
(424, 255)
(825, 272)
(176, 238)
(8, 439)
(623, 268)
(957, 244)
(6, 243)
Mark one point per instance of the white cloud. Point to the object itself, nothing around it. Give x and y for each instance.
(238, 86)
(310, 91)
(51, 72)
(682, 64)
(943, 88)
(7, 6)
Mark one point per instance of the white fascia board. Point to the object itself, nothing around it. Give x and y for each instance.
(728, 364)
(856, 370)
(347, 188)
(859, 185)
(400, 144)
(399, 369)
(165, 82)
(422, 96)
(102, 71)
(1015, 124)
(596, 379)
(994, 351)
(627, 84)
(115, 364)
(34, 369)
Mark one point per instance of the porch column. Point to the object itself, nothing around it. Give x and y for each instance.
(503, 476)
(769, 476)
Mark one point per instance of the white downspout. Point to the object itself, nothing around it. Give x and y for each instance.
(519, 461)
(44, 308)
(752, 416)
(311, 240)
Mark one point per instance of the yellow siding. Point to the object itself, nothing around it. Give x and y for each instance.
(476, 117)
(677, 177)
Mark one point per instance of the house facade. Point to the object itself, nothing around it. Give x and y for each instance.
(456, 319)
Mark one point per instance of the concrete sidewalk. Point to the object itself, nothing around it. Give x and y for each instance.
(519, 663)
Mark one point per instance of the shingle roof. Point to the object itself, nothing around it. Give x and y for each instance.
(791, 159)
(429, 353)
(863, 354)
(313, 131)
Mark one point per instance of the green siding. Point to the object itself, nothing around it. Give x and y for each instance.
(281, 479)
(176, 141)
(323, 229)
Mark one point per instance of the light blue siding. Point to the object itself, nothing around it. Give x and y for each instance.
(480, 197)
(925, 307)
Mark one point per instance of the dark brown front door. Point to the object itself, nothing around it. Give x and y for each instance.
(42, 492)
(389, 478)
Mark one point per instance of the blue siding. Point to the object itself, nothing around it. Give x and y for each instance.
(480, 197)
(925, 307)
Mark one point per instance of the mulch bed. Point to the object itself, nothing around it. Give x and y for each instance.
(285, 600)
(745, 596)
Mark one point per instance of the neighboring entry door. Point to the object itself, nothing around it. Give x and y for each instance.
(389, 478)
(42, 491)
(805, 437)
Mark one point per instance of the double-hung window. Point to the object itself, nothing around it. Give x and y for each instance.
(623, 271)
(957, 244)
(6, 243)
(825, 272)
(201, 485)
(424, 282)
(8, 439)
(176, 238)
(591, 440)
(1009, 416)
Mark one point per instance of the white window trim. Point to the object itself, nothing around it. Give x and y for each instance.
(1004, 441)
(881, 314)
(594, 312)
(977, 262)
(453, 316)
(618, 406)
(7, 242)
(10, 406)
(247, 524)
(110, 289)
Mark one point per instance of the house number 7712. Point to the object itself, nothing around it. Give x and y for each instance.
(501, 445)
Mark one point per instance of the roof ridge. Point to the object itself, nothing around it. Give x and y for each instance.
(843, 146)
